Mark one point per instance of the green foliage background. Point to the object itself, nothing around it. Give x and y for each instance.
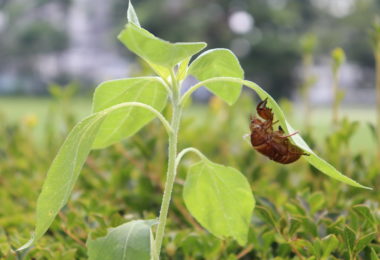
(298, 212)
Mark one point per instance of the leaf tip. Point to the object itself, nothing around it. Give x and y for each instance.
(131, 15)
(27, 245)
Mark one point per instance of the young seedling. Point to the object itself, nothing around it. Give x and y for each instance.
(219, 197)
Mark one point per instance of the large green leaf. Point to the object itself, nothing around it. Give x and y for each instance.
(154, 50)
(220, 198)
(219, 63)
(313, 159)
(65, 169)
(64, 172)
(163, 72)
(126, 242)
(127, 121)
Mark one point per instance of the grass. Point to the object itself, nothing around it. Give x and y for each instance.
(17, 109)
(362, 140)
(41, 110)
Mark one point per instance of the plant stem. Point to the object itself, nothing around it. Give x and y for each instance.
(189, 149)
(171, 171)
(377, 55)
(335, 107)
(305, 91)
(142, 105)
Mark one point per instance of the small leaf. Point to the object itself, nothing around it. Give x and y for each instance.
(154, 50)
(294, 225)
(317, 248)
(132, 16)
(284, 249)
(303, 245)
(349, 238)
(364, 241)
(220, 198)
(129, 120)
(128, 241)
(316, 201)
(365, 212)
(329, 244)
(266, 215)
(374, 254)
(219, 63)
(309, 226)
(294, 208)
(267, 240)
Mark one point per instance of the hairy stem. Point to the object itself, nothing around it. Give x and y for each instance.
(166, 124)
(171, 171)
(184, 151)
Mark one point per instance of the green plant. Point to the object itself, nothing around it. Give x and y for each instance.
(375, 35)
(338, 57)
(219, 197)
(308, 45)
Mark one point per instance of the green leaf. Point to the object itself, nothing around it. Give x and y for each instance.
(284, 249)
(303, 245)
(128, 241)
(313, 159)
(132, 16)
(219, 63)
(294, 208)
(316, 201)
(365, 212)
(374, 254)
(294, 225)
(129, 120)
(157, 51)
(65, 169)
(161, 71)
(309, 225)
(64, 172)
(329, 244)
(364, 241)
(220, 198)
(267, 216)
(182, 69)
(349, 238)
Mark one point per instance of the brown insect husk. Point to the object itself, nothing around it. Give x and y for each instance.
(274, 144)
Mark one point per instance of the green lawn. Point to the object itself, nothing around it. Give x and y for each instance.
(15, 109)
(321, 122)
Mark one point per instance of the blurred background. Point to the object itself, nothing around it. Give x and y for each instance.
(61, 41)
(49, 47)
